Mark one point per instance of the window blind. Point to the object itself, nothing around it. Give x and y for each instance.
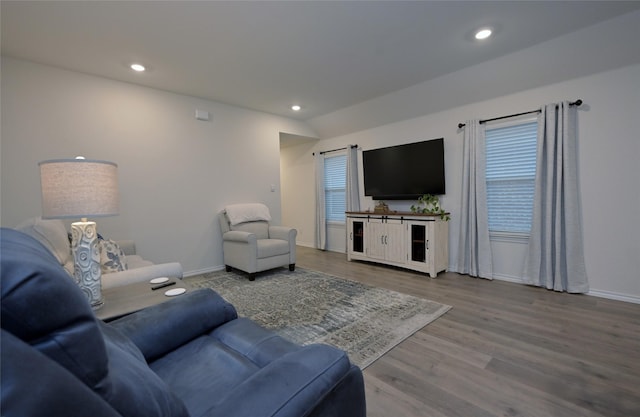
(335, 183)
(510, 175)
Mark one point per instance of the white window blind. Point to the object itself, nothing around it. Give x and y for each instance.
(335, 183)
(510, 173)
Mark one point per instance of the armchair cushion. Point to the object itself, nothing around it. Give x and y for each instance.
(272, 247)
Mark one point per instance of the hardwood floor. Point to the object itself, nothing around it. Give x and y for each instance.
(504, 349)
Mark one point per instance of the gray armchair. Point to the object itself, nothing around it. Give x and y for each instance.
(251, 244)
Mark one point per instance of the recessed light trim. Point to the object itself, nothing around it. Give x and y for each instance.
(296, 107)
(483, 33)
(138, 67)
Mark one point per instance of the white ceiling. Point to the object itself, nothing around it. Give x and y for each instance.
(266, 55)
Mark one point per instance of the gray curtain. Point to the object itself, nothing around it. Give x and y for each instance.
(353, 191)
(555, 255)
(321, 216)
(474, 247)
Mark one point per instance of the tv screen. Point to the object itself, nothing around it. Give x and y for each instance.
(404, 172)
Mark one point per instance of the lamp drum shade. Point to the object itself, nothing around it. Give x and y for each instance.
(73, 188)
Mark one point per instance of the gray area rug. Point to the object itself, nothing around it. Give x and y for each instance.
(312, 307)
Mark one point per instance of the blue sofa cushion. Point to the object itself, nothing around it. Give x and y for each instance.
(42, 307)
(256, 343)
(135, 389)
(160, 329)
(245, 358)
(34, 385)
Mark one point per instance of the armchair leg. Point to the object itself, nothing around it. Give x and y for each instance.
(292, 267)
(252, 277)
(227, 268)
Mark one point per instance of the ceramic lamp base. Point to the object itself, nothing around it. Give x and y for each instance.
(84, 245)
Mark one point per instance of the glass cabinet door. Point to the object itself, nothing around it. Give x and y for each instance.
(357, 236)
(418, 243)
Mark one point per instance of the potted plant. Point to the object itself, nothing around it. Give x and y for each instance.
(430, 204)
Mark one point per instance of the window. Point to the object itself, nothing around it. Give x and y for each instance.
(510, 174)
(335, 183)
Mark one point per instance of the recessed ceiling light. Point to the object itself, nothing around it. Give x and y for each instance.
(483, 34)
(137, 67)
(295, 107)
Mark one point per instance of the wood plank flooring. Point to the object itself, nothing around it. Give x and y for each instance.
(504, 349)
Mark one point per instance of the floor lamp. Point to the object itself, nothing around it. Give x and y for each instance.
(81, 188)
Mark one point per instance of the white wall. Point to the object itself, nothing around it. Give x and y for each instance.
(175, 172)
(609, 150)
(298, 191)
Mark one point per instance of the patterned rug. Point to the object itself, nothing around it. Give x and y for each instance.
(312, 307)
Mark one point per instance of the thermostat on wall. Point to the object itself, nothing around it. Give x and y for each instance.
(202, 115)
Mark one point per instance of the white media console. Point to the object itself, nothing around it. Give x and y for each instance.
(408, 240)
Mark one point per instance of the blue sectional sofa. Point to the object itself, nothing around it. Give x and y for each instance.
(191, 356)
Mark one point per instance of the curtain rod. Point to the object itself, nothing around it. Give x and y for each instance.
(335, 150)
(578, 102)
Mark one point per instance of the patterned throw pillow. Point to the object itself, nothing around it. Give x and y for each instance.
(112, 258)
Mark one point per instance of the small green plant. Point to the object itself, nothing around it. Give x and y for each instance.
(430, 204)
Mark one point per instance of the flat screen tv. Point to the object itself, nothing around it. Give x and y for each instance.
(404, 172)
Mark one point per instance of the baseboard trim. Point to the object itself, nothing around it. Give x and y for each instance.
(615, 296)
(312, 246)
(202, 271)
(595, 293)
(508, 278)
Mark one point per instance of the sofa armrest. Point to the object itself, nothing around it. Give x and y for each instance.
(238, 236)
(298, 382)
(282, 232)
(146, 273)
(162, 328)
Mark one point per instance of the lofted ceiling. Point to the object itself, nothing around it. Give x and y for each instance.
(268, 55)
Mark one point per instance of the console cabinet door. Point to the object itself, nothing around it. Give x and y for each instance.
(421, 241)
(395, 241)
(355, 236)
(386, 239)
(418, 241)
(376, 231)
